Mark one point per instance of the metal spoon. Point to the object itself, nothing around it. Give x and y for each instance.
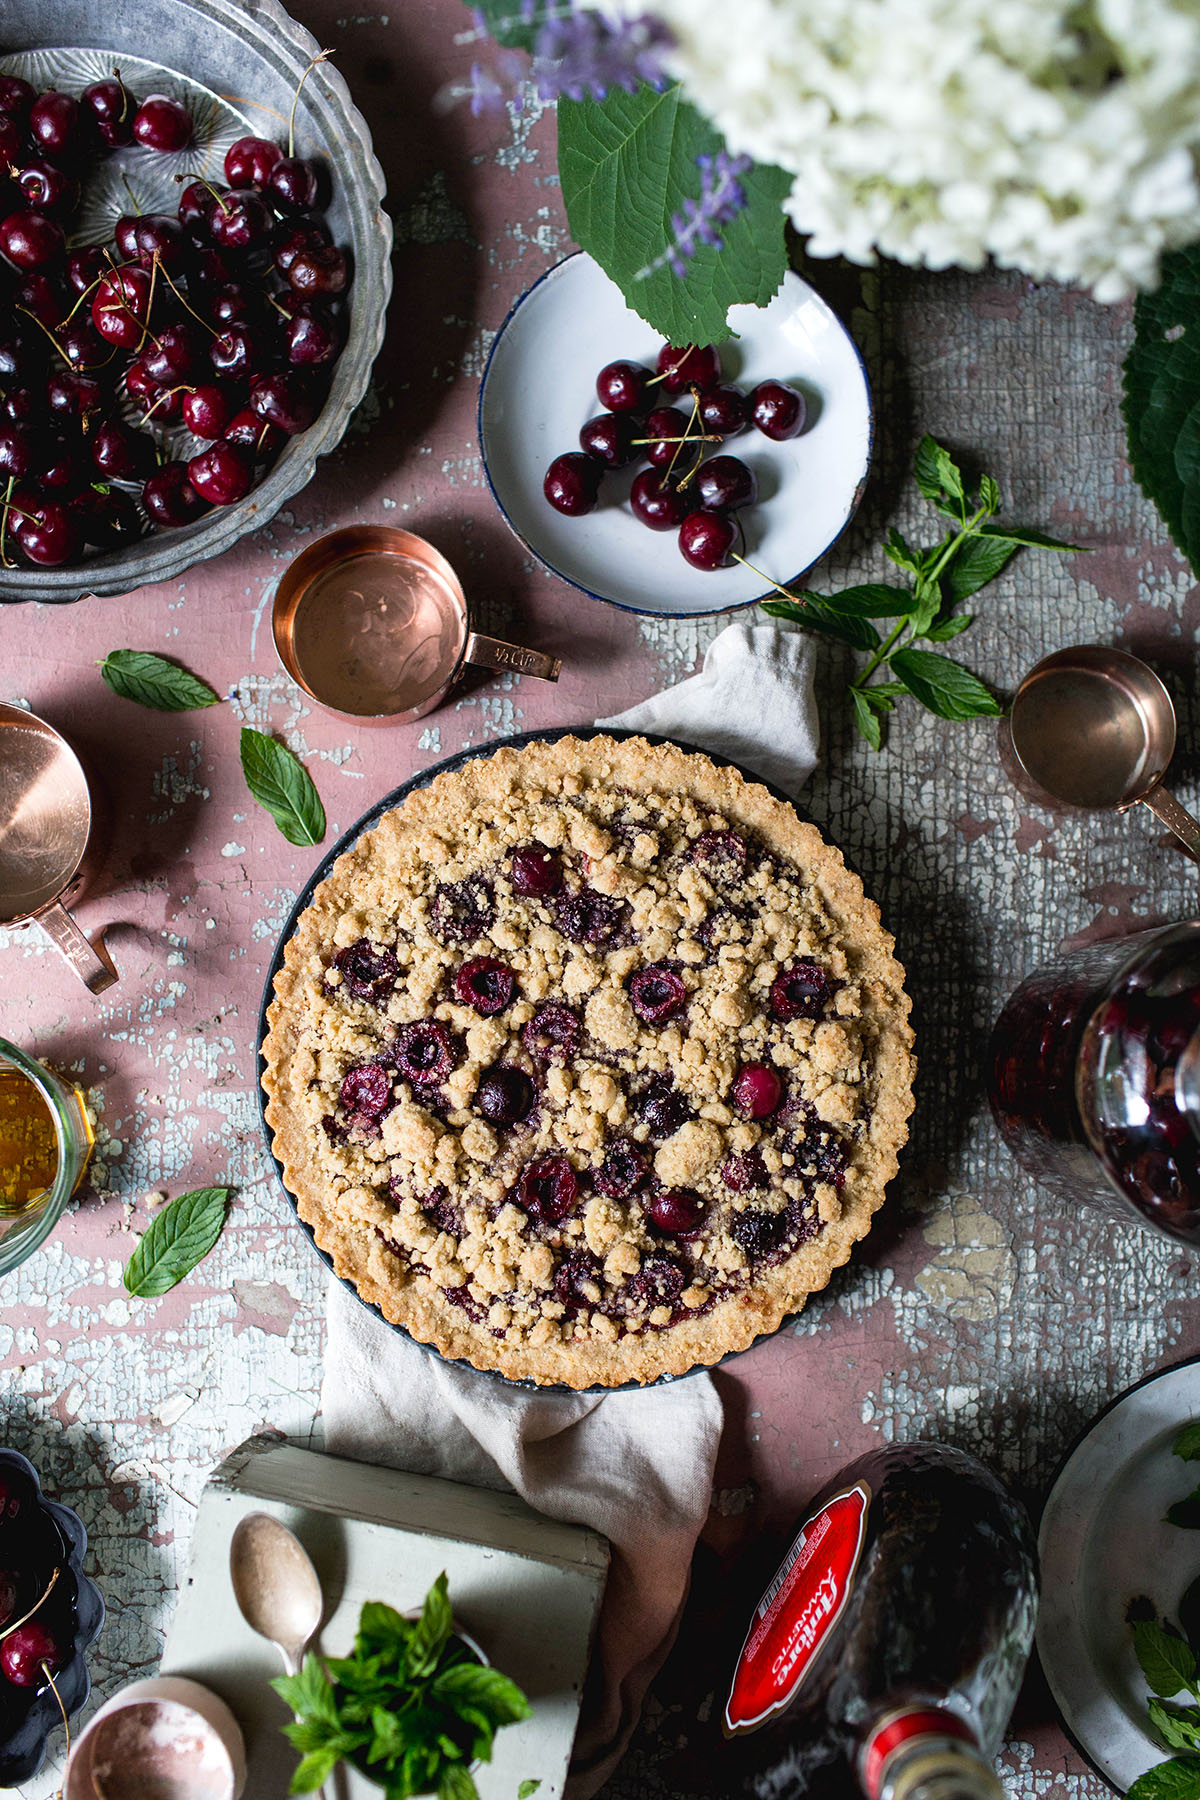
(275, 1585)
(1094, 728)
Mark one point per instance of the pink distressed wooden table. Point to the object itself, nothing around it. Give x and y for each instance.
(977, 1310)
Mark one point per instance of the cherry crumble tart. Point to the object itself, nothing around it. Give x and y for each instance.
(589, 1063)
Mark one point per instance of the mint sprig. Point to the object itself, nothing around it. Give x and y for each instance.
(280, 782)
(1170, 1663)
(152, 680)
(176, 1239)
(412, 1707)
(966, 558)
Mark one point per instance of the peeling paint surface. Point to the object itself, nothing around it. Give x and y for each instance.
(978, 1309)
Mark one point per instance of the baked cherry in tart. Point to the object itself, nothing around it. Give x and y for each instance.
(634, 1085)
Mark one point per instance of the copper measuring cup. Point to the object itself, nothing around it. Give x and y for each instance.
(1094, 728)
(373, 623)
(46, 824)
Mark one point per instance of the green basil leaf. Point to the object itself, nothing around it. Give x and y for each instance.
(943, 685)
(1177, 1726)
(1185, 1512)
(627, 164)
(1178, 1779)
(870, 600)
(153, 681)
(487, 1689)
(432, 1630)
(1164, 1659)
(949, 628)
(527, 1788)
(381, 1627)
(1187, 1442)
(175, 1240)
(279, 782)
(866, 718)
(977, 561)
(859, 634)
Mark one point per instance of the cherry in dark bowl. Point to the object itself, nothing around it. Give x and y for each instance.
(38, 1535)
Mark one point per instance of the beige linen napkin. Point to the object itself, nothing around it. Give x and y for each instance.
(636, 1466)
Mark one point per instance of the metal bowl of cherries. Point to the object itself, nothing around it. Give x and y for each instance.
(194, 270)
(49, 1614)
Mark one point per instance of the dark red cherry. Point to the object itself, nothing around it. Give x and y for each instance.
(801, 991)
(21, 406)
(71, 395)
(82, 346)
(156, 401)
(254, 434)
(706, 538)
(54, 122)
(294, 184)
(44, 298)
(662, 1108)
(239, 220)
(306, 234)
(654, 502)
(757, 1231)
(572, 483)
(64, 465)
(504, 1096)
(31, 240)
(552, 1034)
(47, 188)
(282, 402)
(724, 410)
(609, 438)
(657, 994)
(85, 267)
(11, 143)
(159, 237)
(424, 1052)
(48, 534)
(367, 1088)
(536, 872)
(235, 353)
(623, 1170)
(207, 410)
(367, 972)
(744, 1172)
(486, 984)
(18, 451)
(721, 854)
(547, 1189)
(724, 483)
(312, 336)
(169, 497)
(621, 387)
(323, 270)
(162, 124)
(172, 356)
(124, 235)
(195, 208)
(693, 365)
(16, 96)
(108, 517)
(757, 1091)
(249, 161)
(664, 429)
(778, 410)
(678, 1211)
(111, 108)
(232, 303)
(16, 1490)
(223, 474)
(30, 1654)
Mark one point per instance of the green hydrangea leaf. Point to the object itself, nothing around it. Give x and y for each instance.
(627, 164)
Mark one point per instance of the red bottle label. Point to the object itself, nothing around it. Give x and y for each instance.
(798, 1611)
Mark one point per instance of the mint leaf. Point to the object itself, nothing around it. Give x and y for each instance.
(487, 1689)
(527, 1788)
(279, 782)
(989, 494)
(870, 600)
(175, 1240)
(977, 561)
(381, 1627)
(1186, 1512)
(949, 628)
(1187, 1442)
(627, 164)
(901, 552)
(432, 1631)
(1177, 1726)
(1165, 1660)
(308, 1692)
(1034, 540)
(314, 1769)
(943, 685)
(866, 717)
(1178, 1779)
(153, 681)
(456, 1783)
(859, 634)
(936, 473)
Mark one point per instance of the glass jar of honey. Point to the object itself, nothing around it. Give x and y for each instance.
(46, 1138)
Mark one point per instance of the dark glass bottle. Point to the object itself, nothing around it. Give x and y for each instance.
(1095, 1077)
(892, 1638)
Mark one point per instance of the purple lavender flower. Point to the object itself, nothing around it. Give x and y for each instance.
(722, 198)
(581, 54)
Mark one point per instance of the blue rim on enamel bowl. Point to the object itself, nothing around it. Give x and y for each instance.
(527, 414)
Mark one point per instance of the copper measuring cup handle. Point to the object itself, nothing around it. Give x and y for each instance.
(90, 961)
(1175, 817)
(493, 653)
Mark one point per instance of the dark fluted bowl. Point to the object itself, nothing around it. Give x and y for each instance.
(27, 1715)
(252, 54)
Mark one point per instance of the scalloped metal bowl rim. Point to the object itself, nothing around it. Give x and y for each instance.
(75, 1532)
(179, 552)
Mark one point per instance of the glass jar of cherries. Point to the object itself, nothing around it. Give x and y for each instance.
(1094, 1077)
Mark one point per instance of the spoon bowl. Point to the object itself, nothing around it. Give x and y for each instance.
(275, 1585)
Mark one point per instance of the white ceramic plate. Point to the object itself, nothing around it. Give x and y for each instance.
(1104, 1542)
(539, 388)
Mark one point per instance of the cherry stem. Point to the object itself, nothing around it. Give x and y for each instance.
(45, 1668)
(762, 576)
(673, 370)
(124, 90)
(95, 282)
(125, 184)
(48, 332)
(206, 183)
(683, 440)
(4, 561)
(25, 1617)
(320, 57)
(688, 437)
(200, 321)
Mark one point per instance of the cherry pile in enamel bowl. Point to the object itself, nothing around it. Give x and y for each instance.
(684, 489)
(223, 317)
(39, 1595)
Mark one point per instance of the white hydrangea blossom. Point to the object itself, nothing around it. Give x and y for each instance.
(1060, 138)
